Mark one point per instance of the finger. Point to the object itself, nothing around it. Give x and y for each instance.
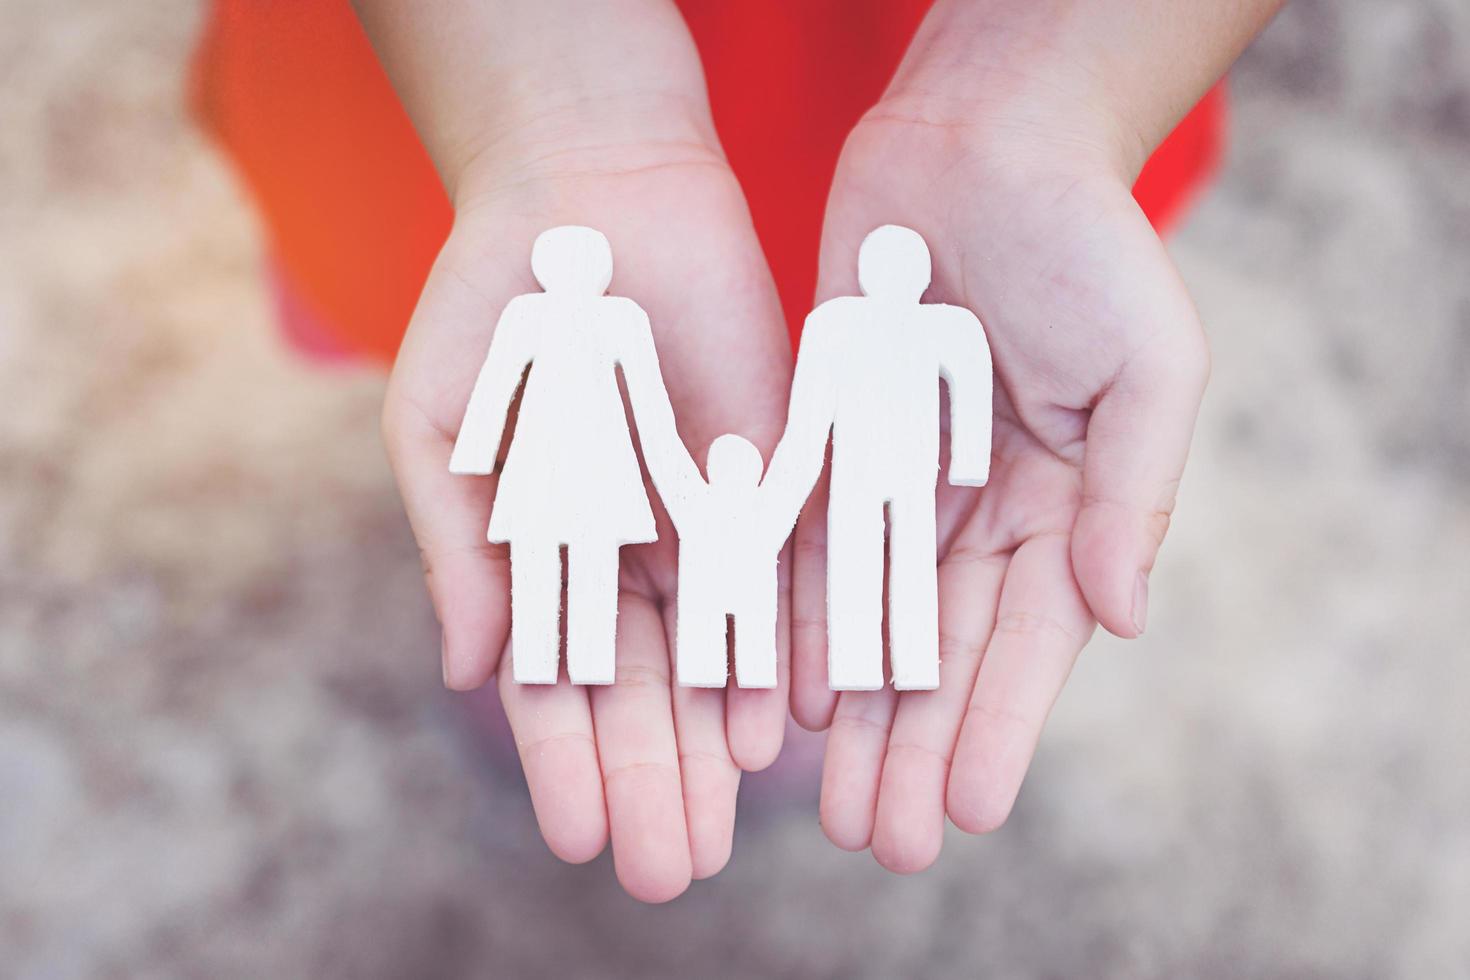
(634, 722)
(709, 775)
(909, 826)
(468, 578)
(853, 764)
(554, 736)
(1041, 625)
(1137, 440)
(756, 717)
(812, 700)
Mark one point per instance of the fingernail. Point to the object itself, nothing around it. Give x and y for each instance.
(444, 657)
(1140, 602)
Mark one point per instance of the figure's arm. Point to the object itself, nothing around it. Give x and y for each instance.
(798, 459)
(964, 363)
(778, 505)
(674, 473)
(484, 419)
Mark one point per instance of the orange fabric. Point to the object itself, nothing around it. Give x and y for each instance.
(352, 206)
(355, 213)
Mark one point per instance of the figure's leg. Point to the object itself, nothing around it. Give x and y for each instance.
(592, 613)
(913, 593)
(854, 593)
(535, 611)
(755, 631)
(700, 641)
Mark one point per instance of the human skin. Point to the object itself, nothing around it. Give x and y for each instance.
(550, 112)
(1009, 139)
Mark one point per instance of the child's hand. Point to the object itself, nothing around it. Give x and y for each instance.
(633, 154)
(1018, 175)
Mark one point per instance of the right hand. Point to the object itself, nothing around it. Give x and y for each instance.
(653, 766)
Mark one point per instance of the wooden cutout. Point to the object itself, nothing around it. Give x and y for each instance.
(731, 531)
(865, 377)
(571, 478)
(866, 374)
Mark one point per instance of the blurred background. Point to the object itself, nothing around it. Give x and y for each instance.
(224, 749)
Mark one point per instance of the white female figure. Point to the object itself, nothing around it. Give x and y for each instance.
(571, 478)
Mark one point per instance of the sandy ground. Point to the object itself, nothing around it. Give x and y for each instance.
(223, 747)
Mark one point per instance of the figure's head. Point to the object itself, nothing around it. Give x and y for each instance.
(893, 263)
(572, 259)
(734, 461)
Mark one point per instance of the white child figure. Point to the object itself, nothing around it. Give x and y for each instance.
(731, 531)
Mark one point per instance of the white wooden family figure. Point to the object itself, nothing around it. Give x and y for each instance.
(867, 376)
(730, 535)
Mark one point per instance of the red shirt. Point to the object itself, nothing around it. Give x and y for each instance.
(354, 211)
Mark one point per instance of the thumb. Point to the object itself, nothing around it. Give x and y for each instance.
(1137, 440)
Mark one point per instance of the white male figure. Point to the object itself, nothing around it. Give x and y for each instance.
(868, 373)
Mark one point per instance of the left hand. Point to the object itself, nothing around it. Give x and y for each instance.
(1100, 366)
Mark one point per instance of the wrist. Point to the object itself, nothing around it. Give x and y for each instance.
(1106, 78)
(497, 89)
(571, 133)
(1038, 74)
(1029, 118)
